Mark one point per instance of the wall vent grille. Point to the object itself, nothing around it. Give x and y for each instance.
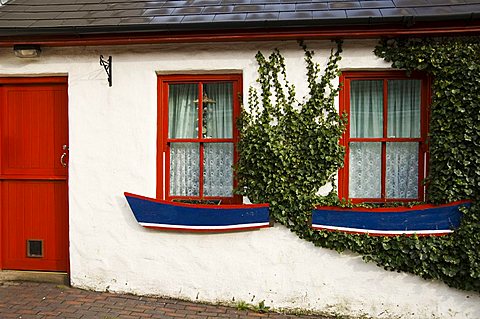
(34, 248)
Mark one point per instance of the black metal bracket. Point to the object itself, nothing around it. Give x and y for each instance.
(107, 65)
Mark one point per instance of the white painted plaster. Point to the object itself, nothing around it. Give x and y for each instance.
(113, 150)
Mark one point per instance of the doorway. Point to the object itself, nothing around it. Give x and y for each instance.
(34, 174)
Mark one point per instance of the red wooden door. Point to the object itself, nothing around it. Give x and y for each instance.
(33, 174)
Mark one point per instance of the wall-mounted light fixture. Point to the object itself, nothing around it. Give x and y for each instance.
(27, 50)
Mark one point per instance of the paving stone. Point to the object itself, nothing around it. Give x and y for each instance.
(39, 301)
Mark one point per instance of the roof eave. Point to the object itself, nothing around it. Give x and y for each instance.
(361, 27)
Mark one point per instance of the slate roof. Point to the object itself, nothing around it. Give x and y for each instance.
(27, 17)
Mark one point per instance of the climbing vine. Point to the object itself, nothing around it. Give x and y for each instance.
(289, 150)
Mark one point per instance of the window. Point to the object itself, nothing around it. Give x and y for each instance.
(196, 136)
(385, 137)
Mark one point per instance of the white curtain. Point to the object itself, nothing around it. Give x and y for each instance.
(184, 169)
(218, 172)
(402, 170)
(365, 170)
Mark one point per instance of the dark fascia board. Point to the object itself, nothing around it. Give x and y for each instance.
(418, 29)
(372, 22)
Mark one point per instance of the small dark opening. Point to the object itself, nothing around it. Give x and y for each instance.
(34, 248)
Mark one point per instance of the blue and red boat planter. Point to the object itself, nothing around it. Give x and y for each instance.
(422, 220)
(160, 214)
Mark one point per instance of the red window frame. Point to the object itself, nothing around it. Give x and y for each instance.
(423, 156)
(163, 141)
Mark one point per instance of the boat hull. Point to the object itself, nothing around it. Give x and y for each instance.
(422, 220)
(159, 214)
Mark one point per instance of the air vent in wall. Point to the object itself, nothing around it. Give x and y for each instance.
(34, 248)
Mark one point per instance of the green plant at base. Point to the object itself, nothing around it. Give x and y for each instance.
(288, 150)
(261, 307)
(242, 305)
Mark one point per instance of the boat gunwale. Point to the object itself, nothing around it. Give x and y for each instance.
(398, 209)
(198, 206)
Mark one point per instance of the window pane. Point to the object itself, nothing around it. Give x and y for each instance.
(402, 170)
(365, 170)
(184, 169)
(366, 108)
(218, 171)
(218, 110)
(182, 111)
(404, 108)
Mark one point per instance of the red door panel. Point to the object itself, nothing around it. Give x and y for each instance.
(33, 181)
(35, 210)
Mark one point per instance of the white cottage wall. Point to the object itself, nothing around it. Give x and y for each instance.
(113, 150)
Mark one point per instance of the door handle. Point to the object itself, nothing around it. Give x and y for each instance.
(62, 158)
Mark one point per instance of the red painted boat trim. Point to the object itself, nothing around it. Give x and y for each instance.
(442, 29)
(391, 209)
(196, 205)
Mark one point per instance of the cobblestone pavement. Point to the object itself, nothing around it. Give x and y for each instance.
(39, 300)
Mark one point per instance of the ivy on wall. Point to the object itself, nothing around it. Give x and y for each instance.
(289, 149)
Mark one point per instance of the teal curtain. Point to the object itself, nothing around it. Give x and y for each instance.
(404, 108)
(182, 111)
(366, 108)
(218, 115)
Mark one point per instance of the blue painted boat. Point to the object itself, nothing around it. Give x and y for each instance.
(160, 214)
(423, 220)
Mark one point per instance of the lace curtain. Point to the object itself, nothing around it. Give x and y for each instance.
(366, 121)
(217, 113)
(218, 172)
(402, 170)
(365, 170)
(184, 169)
